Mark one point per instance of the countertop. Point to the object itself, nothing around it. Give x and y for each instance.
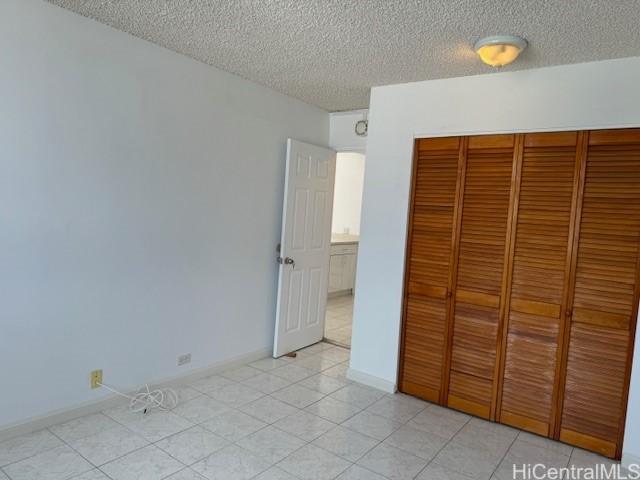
(340, 238)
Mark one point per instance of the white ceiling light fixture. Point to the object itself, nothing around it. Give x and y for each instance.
(499, 50)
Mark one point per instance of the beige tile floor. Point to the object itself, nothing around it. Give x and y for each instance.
(283, 419)
(338, 320)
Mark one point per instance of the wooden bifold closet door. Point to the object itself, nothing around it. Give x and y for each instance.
(428, 267)
(540, 256)
(477, 271)
(603, 303)
(522, 280)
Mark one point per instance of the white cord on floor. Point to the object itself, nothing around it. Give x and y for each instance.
(146, 399)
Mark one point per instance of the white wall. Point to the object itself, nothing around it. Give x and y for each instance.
(140, 204)
(347, 196)
(583, 96)
(342, 134)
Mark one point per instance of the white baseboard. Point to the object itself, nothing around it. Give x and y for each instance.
(340, 293)
(64, 415)
(629, 459)
(371, 381)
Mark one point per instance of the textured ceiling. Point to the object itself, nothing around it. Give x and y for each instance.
(330, 52)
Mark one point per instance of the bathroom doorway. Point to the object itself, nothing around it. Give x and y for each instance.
(345, 238)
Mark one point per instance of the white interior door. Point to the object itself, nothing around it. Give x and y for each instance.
(304, 247)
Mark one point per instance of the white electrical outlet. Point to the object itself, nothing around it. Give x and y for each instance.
(184, 359)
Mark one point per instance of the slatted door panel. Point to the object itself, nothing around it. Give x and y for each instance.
(539, 274)
(428, 266)
(478, 280)
(605, 295)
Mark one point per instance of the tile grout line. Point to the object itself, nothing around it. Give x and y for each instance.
(5, 473)
(351, 430)
(443, 446)
(521, 432)
(175, 473)
(306, 444)
(149, 443)
(34, 455)
(380, 442)
(505, 455)
(47, 429)
(77, 453)
(155, 444)
(388, 436)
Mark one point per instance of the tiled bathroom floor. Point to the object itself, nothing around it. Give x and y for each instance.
(338, 320)
(283, 419)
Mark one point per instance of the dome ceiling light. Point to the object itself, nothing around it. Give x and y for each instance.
(499, 50)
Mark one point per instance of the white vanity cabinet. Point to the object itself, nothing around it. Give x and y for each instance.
(342, 267)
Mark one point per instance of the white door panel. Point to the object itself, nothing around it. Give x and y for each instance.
(305, 242)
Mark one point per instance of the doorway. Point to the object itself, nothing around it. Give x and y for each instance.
(345, 237)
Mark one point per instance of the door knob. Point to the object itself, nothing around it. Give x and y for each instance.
(287, 261)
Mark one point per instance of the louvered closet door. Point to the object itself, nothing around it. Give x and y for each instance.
(428, 266)
(478, 282)
(539, 272)
(605, 296)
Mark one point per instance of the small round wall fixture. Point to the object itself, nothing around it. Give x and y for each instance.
(362, 127)
(499, 50)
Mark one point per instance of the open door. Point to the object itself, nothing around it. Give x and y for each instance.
(304, 247)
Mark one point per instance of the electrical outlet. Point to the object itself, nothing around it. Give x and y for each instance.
(96, 378)
(184, 359)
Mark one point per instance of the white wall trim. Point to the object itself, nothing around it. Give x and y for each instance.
(64, 415)
(629, 459)
(562, 128)
(350, 112)
(371, 381)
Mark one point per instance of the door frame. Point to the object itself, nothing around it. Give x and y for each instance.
(362, 152)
